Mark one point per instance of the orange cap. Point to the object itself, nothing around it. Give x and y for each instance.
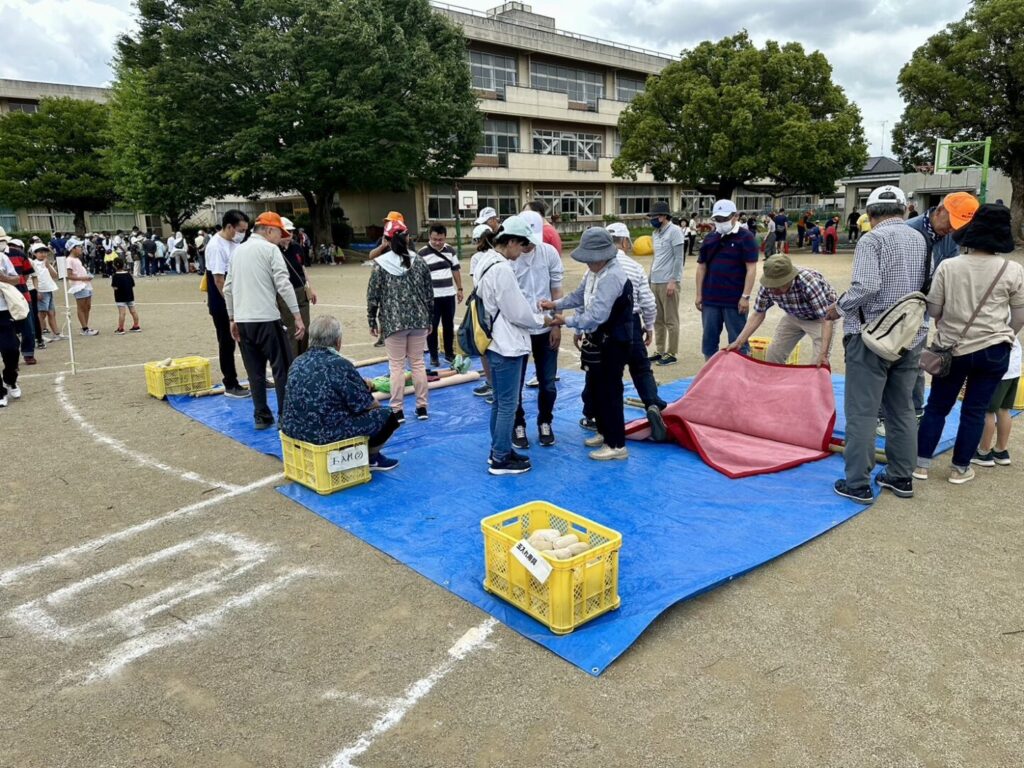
(394, 216)
(270, 219)
(393, 227)
(961, 207)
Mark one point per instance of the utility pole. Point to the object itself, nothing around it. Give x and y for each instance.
(881, 151)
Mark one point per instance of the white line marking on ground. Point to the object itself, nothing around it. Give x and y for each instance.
(16, 574)
(138, 457)
(473, 640)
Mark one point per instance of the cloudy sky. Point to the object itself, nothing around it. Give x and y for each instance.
(867, 41)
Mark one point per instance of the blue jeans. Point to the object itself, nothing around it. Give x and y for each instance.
(714, 318)
(982, 370)
(27, 329)
(506, 374)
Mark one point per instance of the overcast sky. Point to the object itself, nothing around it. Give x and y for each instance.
(867, 41)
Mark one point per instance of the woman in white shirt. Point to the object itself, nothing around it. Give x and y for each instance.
(179, 253)
(9, 344)
(512, 318)
(46, 288)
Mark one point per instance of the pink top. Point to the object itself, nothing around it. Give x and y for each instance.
(551, 237)
(77, 269)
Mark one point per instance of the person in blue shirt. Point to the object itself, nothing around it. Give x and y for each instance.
(781, 222)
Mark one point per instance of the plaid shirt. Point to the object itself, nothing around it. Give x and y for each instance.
(888, 264)
(808, 298)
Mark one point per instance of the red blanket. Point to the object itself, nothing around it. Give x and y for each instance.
(747, 417)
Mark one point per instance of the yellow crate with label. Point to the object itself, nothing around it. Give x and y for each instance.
(179, 376)
(759, 350)
(577, 590)
(326, 468)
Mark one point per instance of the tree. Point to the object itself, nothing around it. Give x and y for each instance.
(55, 158)
(966, 83)
(729, 113)
(317, 96)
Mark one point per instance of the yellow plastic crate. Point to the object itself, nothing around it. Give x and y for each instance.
(312, 465)
(579, 589)
(183, 376)
(759, 349)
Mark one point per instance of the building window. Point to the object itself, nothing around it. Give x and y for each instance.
(580, 85)
(585, 146)
(111, 221)
(753, 203)
(799, 202)
(578, 202)
(504, 198)
(637, 199)
(41, 220)
(500, 137)
(18, 105)
(627, 87)
(492, 71)
(9, 219)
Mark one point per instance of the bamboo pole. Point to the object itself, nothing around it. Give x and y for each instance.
(450, 381)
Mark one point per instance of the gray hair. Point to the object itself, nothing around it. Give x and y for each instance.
(621, 241)
(886, 210)
(325, 331)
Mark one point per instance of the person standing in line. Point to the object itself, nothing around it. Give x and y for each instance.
(219, 252)
(22, 264)
(512, 319)
(666, 280)
(550, 234)
(80, 285)
(782, 221)
(726, 268)
(483, 238)
(803, 224)
(304, 293)
(124, 297)
(257, 276)
(179, 253)
(446, 278)
(768, 245)
(399, 305)
(852, 227)
(46, 282)
(8, 331)
(200, 245)
(159, 265)
(149, 251)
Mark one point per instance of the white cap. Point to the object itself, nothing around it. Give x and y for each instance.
(618, 229)
(3, 234)
(517, 226)
(287, 224)
(535, 220)
(480, 230)
(887, 194)
(485, 215)
(73, 242)
(38, 247)
(18, 243)
(723, 208)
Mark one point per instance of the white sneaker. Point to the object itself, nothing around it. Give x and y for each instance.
(920, 473)
(3, 401)
(533, 382)
(90, 332)
(958, 477)
(594, 442)
(14, 392)
(604, 453)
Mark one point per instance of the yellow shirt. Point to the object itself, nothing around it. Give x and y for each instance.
(864, 222)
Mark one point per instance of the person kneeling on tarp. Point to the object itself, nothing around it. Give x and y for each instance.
(606, 298)
(326, 400)
(805, 296)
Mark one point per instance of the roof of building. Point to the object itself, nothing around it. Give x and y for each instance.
(881, 166)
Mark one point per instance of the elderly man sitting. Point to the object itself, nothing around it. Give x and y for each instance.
(326, 400)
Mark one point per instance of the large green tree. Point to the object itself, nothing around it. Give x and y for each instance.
(55, 158)
(729, 113)
(313, 96)
(966, 83)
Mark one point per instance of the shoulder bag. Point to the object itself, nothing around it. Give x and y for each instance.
(16, 303)
(937, 359)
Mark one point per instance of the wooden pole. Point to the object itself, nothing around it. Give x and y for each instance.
(450, 381)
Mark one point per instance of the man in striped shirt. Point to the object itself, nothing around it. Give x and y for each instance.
(447, 280)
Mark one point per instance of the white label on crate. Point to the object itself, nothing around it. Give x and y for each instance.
(532, 560)
(348, 458)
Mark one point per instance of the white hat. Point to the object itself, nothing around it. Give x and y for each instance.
(3, 234)
(887, 194)
(18, 243)
(480, 230)
(723, 208)
(535, 220)
(38, 247)
(517, 227)
(72, 243)
(618, 229)
(288, 224)
(486, 215)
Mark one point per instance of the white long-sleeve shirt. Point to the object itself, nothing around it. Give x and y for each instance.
(496, 284)
(644, 303)
(596, 296)
(256, 276)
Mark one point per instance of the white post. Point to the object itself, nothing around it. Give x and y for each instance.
(62, 273)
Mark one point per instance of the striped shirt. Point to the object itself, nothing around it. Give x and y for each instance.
(442, 265)
(888, 264)
(808, 298)
(643, 298)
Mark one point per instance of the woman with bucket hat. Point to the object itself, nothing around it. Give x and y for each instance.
(977, 300)
(604, 304)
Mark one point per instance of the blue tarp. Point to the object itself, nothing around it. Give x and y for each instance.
(686, 528)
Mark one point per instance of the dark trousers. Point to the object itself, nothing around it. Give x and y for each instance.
(35, 315)
(801, 233)
(226, 347)
(639, 371)
(444, 313)
(545, 360)
(263, 343)
(382, 435)
(27, 329)
(604, 382)
(982, 370)
(8, 352)
(851, 234)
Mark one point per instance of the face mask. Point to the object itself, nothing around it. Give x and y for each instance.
(723, 227)
(656, 223)
(239, 237)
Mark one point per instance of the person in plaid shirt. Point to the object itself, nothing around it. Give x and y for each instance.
(805, 297)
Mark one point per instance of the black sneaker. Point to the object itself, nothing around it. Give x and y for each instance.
(379, 342)
(1002, 458)
(903, 488)
(668, 360)
(435, 363)
(590, 424)
(546, 435)
(984, 459)
(484, 390)
(264, 423)
(421, 413)
(860, 495)
(519, 438)
(658, 431)
(512, 455)
(236, 392)
(381, 463)
(400, 415)
(655, 357)
(509, 466)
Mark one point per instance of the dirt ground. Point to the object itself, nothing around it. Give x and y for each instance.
(162, 605)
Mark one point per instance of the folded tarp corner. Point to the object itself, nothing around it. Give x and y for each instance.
(748, 417)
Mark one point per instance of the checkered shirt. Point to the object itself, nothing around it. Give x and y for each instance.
(888, 264)
(808, 298)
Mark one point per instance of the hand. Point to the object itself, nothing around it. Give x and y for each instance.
(577, 341)
(369, 384)
(735, 346)
(744, 306)
(699, 304)
(671, 290)
(373, 331)
(555, 340)
(234, 332)
(833, 313)
(823, 360)
(312, 295)
(648, 337)
(300, 327)
(554, 322)
(545, 304)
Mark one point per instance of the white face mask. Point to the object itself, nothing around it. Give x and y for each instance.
(723, 227)
(239, 237)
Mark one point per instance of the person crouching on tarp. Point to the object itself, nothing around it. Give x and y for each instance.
(604, 304)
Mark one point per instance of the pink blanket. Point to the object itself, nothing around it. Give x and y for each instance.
(747, 417)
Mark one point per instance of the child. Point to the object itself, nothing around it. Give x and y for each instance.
(46, 280)
(998, 420)
(124, 296)
(814, 234)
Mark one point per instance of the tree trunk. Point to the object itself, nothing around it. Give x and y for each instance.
(1017, 199)
(176, 219)
(79, 221)
(320, 216)
(726, 187)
